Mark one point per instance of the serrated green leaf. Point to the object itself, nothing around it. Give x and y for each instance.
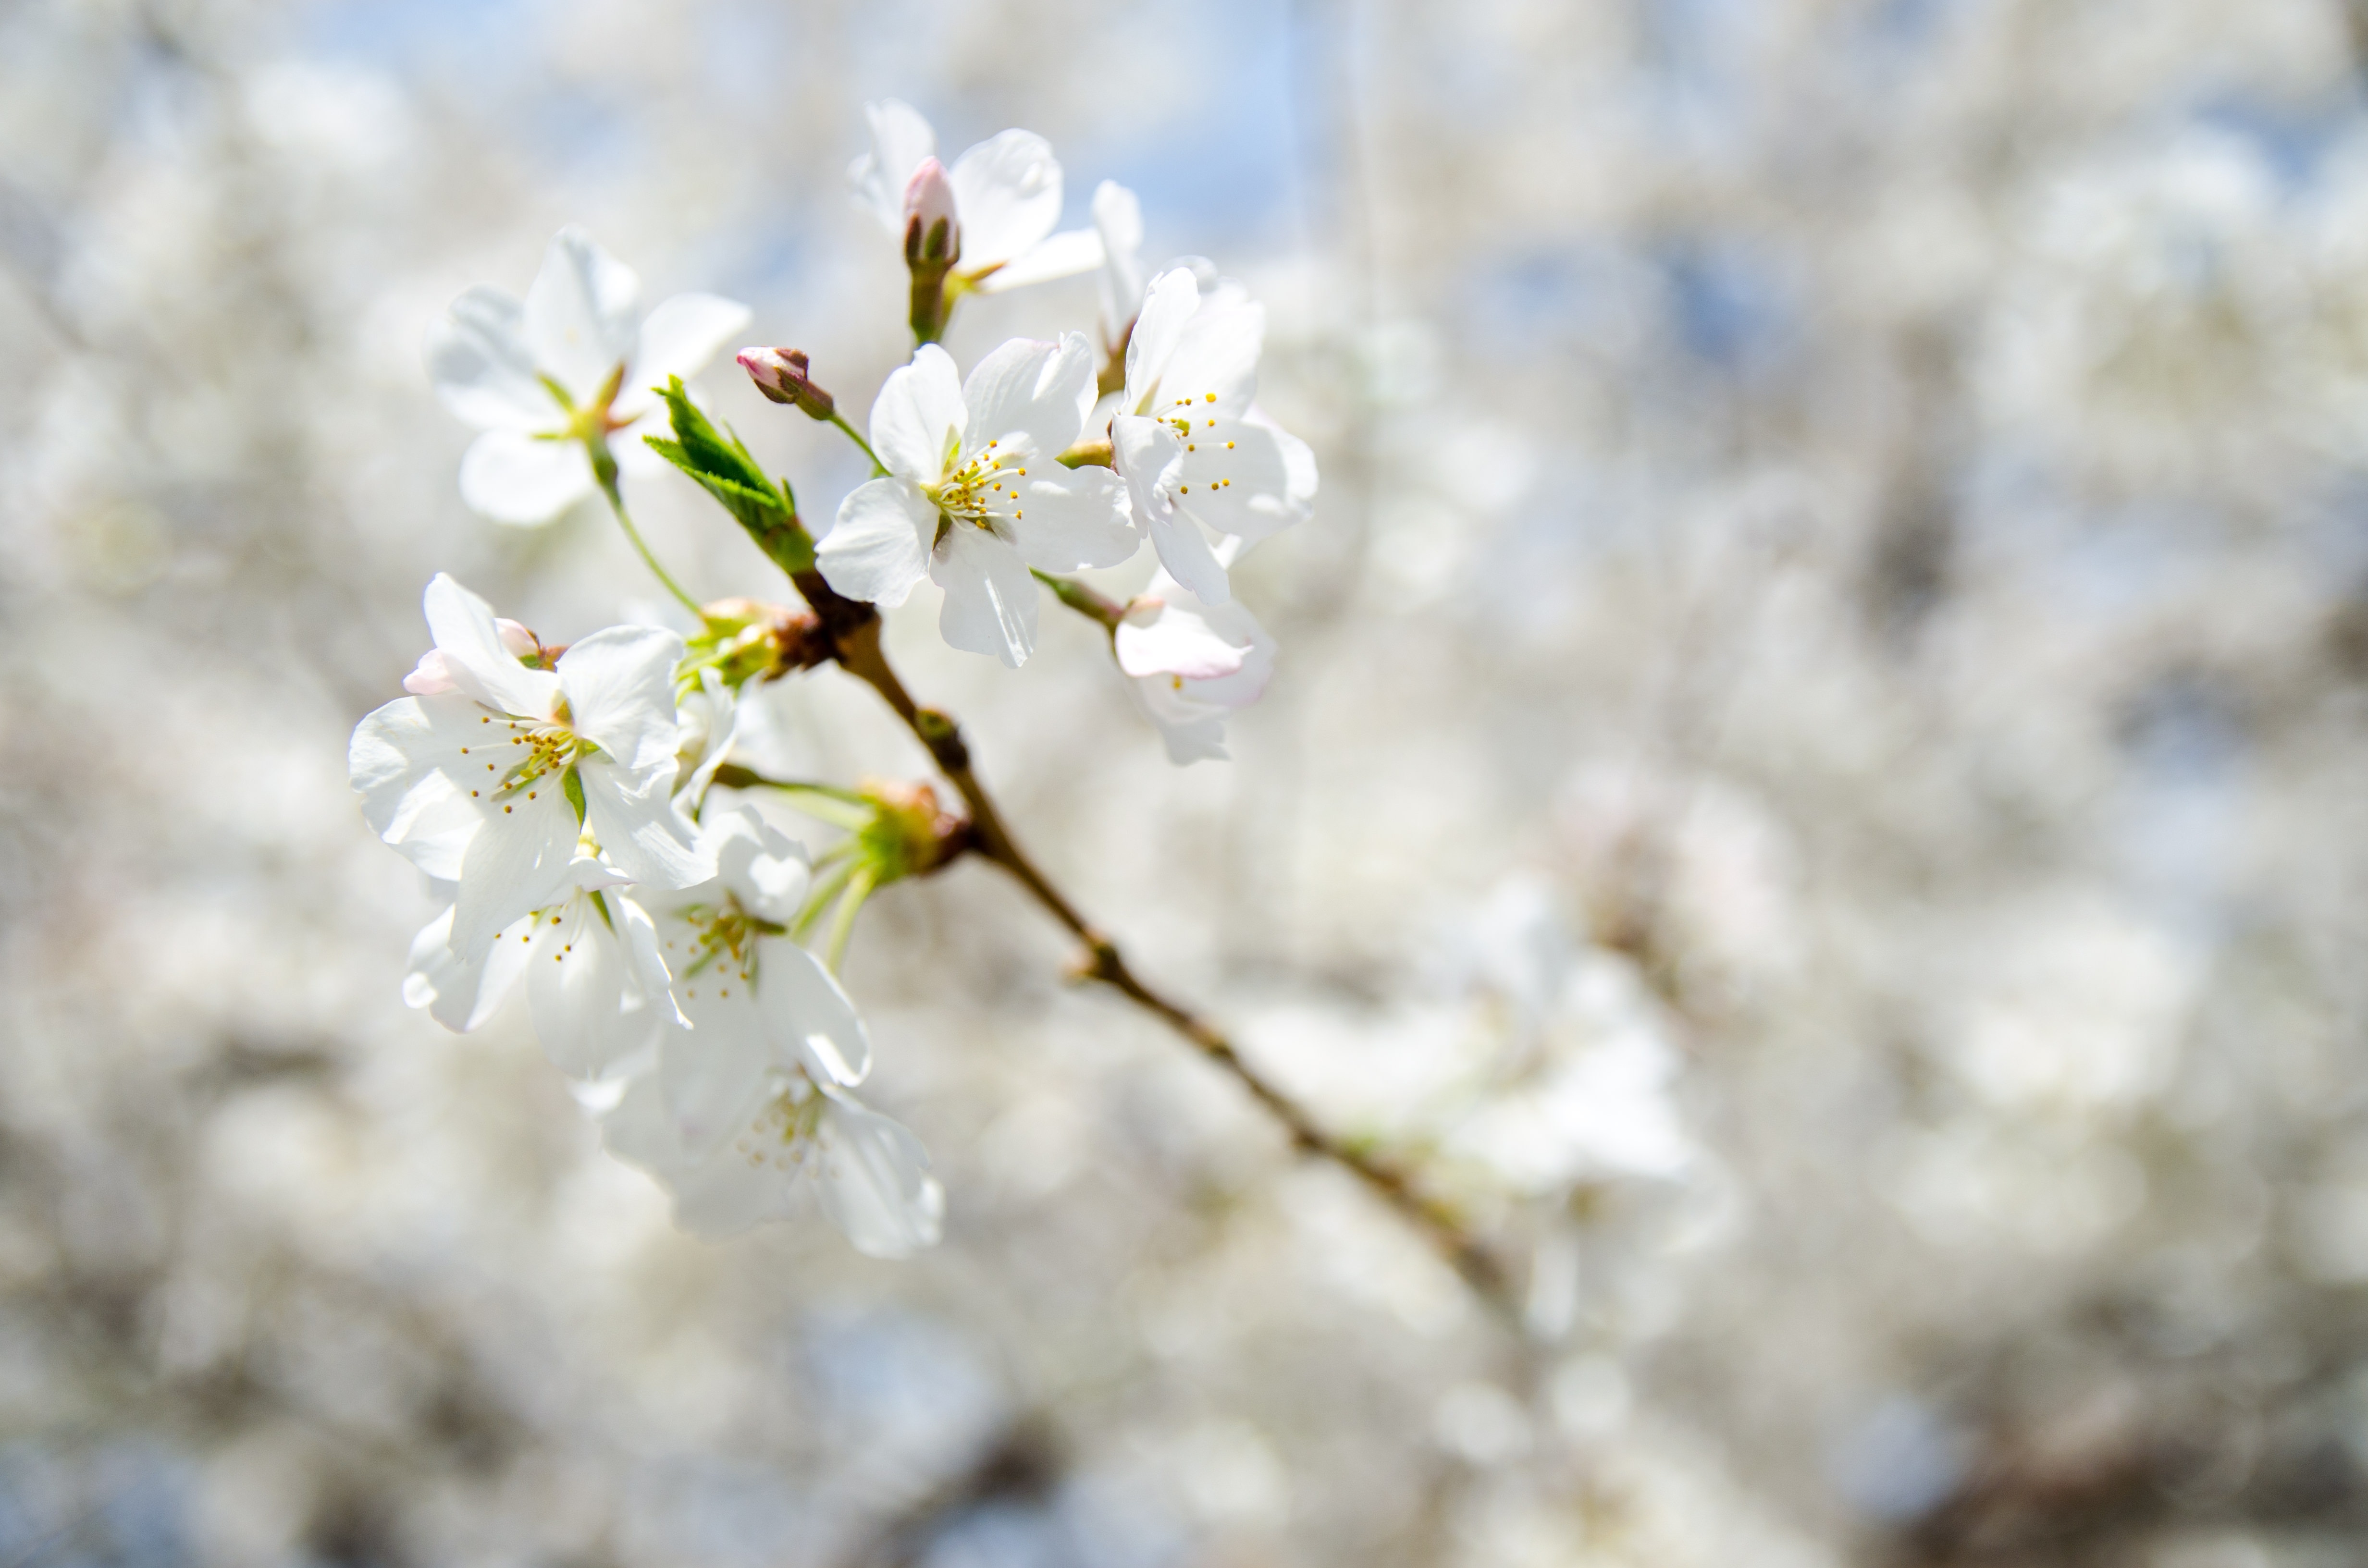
(723, 467)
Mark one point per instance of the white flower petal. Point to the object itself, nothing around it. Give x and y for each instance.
(478, 360)
(1217, 352)
(507, 477)
(619, 689)
(477, 656)
(1071, 520)
(518, 861)
(1008, 190)
(715, 1193)
(1175, 636)
(900, 140)
(712, 1076)
(1193, 731)
(879, 547)
(758, 864)
(1117, 220)
(1150, 457)
(805, 1010)
(404, 761)
(676, 339)
(579, 314)
(990, 598)
(589, 1009)
(1040, 390)
(1236, 477)
(919, 416)
(875, 1183)
(1064, 254)
(458, 993)
(632, 813)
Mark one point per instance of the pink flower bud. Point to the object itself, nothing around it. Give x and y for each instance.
(932, 230)
(780, 374)
(517, 641)
(432, 676)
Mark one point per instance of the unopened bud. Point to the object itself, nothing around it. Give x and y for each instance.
(932, 232)
(780, 374)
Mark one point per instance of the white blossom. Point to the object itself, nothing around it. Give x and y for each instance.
(594, 979)
(1007, 198)
(492, 784)
(1195, 453)
(973, 497)
(1118, 221)
(573, 359)
(747, 1095)
(871, 1176)
(1192, 664)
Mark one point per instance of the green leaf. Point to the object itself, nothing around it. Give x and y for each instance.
(724, 468)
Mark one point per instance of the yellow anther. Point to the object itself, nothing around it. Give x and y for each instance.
(1229, 446)
(1212, 397)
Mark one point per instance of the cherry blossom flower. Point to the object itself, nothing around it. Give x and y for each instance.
(492, 784)
(869, 1175)
(1193, 663)
(974, 497)
(1195, 453)
(590, 960)
(571, 363)
(747, 1095)
(1006, 198)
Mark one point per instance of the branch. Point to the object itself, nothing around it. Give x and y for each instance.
(854, 628)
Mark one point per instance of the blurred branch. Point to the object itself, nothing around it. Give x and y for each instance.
(853, 630)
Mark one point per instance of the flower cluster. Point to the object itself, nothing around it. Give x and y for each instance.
(558, 799)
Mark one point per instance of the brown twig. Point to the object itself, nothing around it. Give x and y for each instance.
(854, 631)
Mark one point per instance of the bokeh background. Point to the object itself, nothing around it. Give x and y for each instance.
(1815, 783)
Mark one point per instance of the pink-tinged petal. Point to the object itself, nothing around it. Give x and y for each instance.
(1175, 637)
(990, 604)
(677, 339)
(879, 547)
(619, 689)
(431, 676)
(1064, 254)
(1008, 189)
(1028, 387)
(633, 817)
(458, 993)
(874, 1183)
(1072, 520)
(518, 861)
(404, 762)
(579, 314)
(805, 1011)
(900, 140)
(478, 361)
(589, 1010)
(477, 657)
(522, 479)
(918, 416)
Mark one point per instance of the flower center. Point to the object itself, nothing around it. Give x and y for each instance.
(983, 489)
(527, 757)
(785, 1134)
(1196, 428)
(725, 936)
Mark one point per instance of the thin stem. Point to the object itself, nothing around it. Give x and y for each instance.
(1095, 607)
(857, 639)
(604, 468)
(878, 468)
(842, 921)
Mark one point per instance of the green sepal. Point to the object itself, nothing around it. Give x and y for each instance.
(573, 788)
(724, 468)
